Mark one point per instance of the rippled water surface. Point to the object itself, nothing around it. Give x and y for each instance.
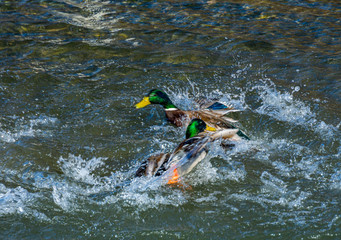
(71, 140)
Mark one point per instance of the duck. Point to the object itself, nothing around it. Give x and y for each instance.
(213, 114)
(173, 165)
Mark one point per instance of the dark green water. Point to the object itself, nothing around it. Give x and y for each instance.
(71, 140)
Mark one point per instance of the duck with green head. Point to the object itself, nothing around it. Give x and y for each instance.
(187, 154)
(213, 115)
(157, 97)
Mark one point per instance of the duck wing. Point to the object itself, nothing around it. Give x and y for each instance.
(212, 118)
(182, 118)
(231, 134)
(185, 158)
(212, 103)
(154, 165)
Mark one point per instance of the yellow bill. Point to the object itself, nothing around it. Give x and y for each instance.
(145, 101)
(211, 129)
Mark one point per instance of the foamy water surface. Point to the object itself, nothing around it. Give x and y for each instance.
(71, 140)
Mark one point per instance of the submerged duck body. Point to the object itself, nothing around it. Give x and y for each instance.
(172, 166)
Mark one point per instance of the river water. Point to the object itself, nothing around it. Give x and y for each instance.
(71, 139)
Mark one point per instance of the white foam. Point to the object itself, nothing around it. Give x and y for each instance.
(81, 169)
(145, 193)
(19, 201)
(283, 106)
(275, 192)
(62, 197)
(335, 180)
(28, 128)
(9, 137)
(203, 173)
(210, 198)
(13, 200)
(97, 17)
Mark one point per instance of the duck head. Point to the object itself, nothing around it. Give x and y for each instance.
(197, 126)
(156, 96)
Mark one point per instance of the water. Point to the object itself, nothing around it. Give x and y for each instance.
(71, 140)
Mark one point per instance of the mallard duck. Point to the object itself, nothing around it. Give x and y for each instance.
(212, 115)
(171, 166)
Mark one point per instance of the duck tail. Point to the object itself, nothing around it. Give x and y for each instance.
(241, 134)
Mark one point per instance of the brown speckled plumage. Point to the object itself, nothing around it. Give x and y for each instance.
(213, 118)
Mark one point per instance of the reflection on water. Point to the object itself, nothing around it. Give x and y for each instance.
(71, 140)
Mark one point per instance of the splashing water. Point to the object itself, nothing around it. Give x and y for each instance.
(284, 107)
(81, 169)
(71, 141)
(30, 128)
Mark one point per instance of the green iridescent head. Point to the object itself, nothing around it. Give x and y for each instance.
(195, 127)
(156, 96)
